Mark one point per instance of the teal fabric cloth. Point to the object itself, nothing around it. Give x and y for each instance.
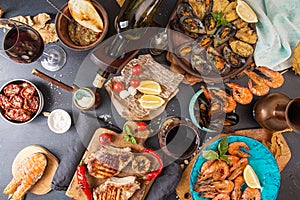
(278, 30)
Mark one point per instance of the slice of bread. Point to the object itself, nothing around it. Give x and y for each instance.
(85, 14)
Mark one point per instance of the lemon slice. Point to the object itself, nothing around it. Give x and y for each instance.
(151, 101)
(245, 12)
(85, 14)
(149, 87)
(251, 178)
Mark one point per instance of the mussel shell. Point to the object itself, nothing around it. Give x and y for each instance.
(199, 60)
(204, 40)
(184, 50)
(219, 63)
(203, 112)
(175, 25)
(208, 5)
(223, 34)
(233, 59)
(184, 9)
(231, 119)
(210, 24)
(192, 24)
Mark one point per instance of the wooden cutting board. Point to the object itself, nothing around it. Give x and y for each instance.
(183, 188)
(43, 186)
(76, 193)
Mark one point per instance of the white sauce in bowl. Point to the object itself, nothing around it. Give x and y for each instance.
(59, 121)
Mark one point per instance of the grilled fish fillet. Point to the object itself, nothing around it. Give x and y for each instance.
(108, 161)
(29, 172)
(116, 188)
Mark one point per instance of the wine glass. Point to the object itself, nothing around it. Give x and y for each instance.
(23, 44)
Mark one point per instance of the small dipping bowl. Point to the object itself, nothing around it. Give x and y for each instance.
(59, 121)
(84, 98)
(179, 138)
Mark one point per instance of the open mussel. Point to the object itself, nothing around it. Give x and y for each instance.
(208, 5)
(204, 40)
(223, 34)
(199, 60)
(193, 25)
(184, 10)
(184, 50)
(219, 63)
(233, 59)
(210, 24)
(202, 112)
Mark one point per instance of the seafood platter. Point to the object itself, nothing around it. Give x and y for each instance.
(116, 167)
(233, 168)
(210, 40)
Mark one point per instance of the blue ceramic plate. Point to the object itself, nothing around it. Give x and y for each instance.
(261, 160)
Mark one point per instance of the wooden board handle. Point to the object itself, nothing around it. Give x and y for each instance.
(52, 80)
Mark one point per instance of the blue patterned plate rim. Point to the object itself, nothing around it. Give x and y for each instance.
(261, 156)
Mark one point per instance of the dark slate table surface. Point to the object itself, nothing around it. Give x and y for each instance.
(15, 138)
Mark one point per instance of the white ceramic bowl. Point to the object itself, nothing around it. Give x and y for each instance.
(59, 121)
(41, 101)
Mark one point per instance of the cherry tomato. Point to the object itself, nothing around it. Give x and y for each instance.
(137, 69)
(118, 86)
(141, 126)
(105, 138)
(135, 82)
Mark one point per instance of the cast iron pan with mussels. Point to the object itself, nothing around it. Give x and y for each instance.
(213, 43)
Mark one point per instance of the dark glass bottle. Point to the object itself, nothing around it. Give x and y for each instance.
(131, 23)
(134, 17)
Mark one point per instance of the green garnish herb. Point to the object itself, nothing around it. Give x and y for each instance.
(214, 155)
(128, 137)
(219, 19)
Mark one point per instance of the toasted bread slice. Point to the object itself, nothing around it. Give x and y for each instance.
(85, 14)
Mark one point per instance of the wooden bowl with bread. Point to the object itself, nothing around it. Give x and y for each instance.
(88, 25)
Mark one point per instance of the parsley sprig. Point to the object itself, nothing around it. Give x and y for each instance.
(219, 19)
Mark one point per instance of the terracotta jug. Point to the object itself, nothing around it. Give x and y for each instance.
(277, 112)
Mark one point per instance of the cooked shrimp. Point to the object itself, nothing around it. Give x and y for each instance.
(240, 93)
(239, 171)
(225, 186)
(275, 79)
(222, 171)
(237, 192)
(235, 149)
(229, 102)
(205, 188)
(251, 194)
(206, 165)
(261, 88)
(233, 160)
(208, 173)
(209, 195)
(222, 197)
(241, 162)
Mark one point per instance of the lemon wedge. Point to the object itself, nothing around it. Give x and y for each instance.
(151, 101)
(245, 12)
(149, 87)
(251, 178)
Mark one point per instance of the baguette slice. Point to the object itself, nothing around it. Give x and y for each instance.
(85, 14)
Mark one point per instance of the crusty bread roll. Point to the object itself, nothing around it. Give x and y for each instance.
(85, 14)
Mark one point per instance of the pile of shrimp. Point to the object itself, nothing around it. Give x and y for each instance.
(218, 180)
(257, 85)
